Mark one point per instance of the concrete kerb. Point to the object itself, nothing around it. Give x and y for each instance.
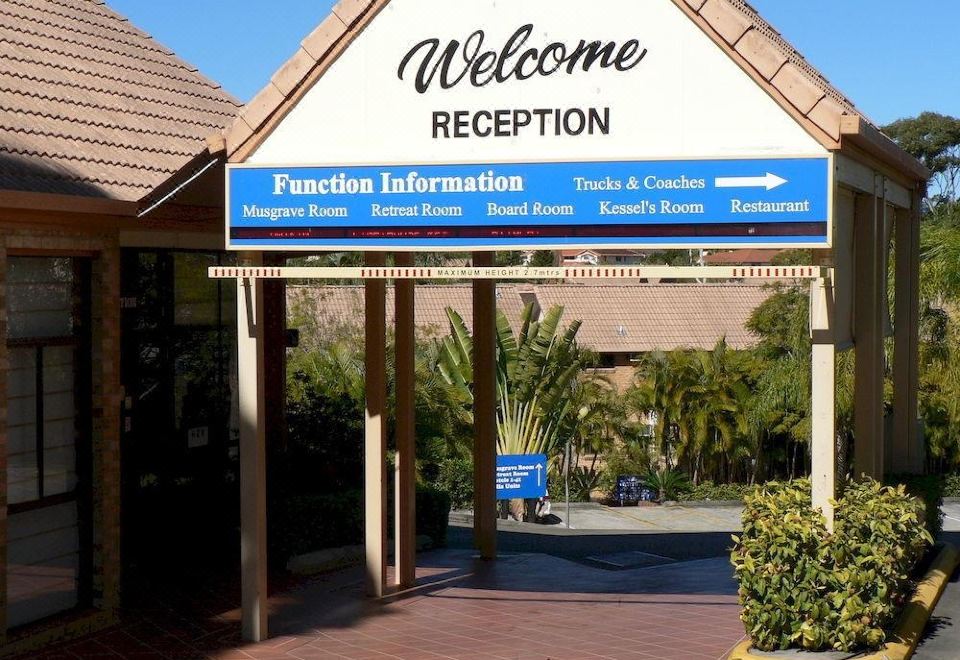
(705, 504)
(912, 622)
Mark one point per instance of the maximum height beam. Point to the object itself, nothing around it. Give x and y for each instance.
(375, 434)
(253, 457)
(485, 410)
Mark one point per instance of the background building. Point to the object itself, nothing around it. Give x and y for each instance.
(620, 322)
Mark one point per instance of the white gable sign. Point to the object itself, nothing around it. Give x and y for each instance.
(481, 124)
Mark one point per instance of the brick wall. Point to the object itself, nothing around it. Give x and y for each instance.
(107, 399)
(105, 363)
(3, 446)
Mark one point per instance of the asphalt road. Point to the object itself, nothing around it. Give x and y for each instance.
(680, 533)
(942, 640)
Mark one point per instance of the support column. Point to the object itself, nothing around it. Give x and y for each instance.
(868, 333)
(405, 494)
(908, 447)
(375, 440)
(253, 473)
(485, 411)
(823, 472)
(275, 356)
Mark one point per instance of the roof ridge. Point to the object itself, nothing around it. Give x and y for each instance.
(793, 54)
(90, 88)
(89, 104)
(195, 79)
(99, 161)
(105, 142)
(149, 46)
(97, 124)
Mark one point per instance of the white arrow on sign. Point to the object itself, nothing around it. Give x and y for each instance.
(539, 473)
(768, 181)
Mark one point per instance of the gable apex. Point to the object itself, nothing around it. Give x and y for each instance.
(777, 68)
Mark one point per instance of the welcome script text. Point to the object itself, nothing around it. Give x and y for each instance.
(473, 62)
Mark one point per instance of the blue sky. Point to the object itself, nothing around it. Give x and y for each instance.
(894, 58)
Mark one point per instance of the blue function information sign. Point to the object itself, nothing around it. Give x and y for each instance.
(521, 477)
(681, 203)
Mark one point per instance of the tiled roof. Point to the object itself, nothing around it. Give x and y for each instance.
(746, 257)
(616, 319)
(336, 307)
(732, 24)
(647, 317)
(92, 106)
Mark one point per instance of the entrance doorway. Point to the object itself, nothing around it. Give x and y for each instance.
(179, 440)
(49, 560)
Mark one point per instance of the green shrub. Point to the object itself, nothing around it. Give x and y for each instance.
(802, 587)
(929, 489)
(709, 491)
(951, 485)
(455, 477)
(668, 484)
(583, 481)
(307, 523)
(433, 513)
(630, 459)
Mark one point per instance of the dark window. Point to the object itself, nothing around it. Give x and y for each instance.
(48, 395)
(49, 538)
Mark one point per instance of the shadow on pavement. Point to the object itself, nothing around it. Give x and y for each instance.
(941, 639)
(578, 545)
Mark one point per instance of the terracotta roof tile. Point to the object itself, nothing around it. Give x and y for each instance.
(747, 257)
(616, 319)
(647, 317)
(336, 307)
(90, 105)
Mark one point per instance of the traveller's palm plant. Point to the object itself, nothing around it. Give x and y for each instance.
(537, 370)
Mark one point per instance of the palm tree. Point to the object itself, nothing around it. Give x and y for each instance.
(538, 372)
(717, 406)
(658, 393)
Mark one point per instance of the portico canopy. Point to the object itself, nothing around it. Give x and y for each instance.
(477, 125)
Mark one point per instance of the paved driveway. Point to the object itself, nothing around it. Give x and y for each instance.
(951, 517)
(520, 607)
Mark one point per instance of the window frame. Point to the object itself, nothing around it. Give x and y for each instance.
(81, 343)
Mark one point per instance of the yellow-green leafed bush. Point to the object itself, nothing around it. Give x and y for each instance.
(802, 587)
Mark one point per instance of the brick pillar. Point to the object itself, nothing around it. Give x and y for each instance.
(105, 312)
(3, 444)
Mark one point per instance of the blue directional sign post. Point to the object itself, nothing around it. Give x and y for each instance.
(773, 202)
(521, 476)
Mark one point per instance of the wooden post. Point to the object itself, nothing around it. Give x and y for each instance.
(405, 493)
(823, 472)
(869, 218)
(908, 448)
(275, 356)
(375, 440)
(253, 474)
(485, 411)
